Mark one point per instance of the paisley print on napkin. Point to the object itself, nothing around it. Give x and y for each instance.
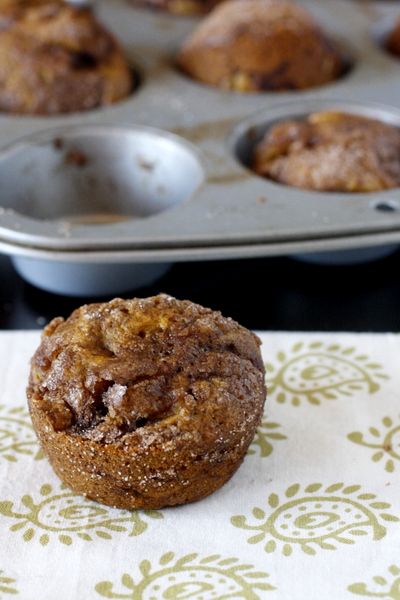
(381, 587)
(68, 517)
(209, 578)
(384, 440)
(317, 520)
(17, 438)
(315, 371)
(6, 585)
(266, 434)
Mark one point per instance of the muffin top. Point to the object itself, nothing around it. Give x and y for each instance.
(56, 22)
(148, 370)
(259, 18)
(56, 57)
(252, 45)
(331, 151)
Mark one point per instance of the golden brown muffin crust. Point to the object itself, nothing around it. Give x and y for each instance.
(146, 402)
(331, 151)
(56, 58)
(250, 45)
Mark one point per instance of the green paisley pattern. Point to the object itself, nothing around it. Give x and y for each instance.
(266, 433)
(384, 441)
(315, 383)
(317, 519)
(17, 437)
(190, 578)
(315, 372)
(6, 586)
(381, 587)
(69, 516)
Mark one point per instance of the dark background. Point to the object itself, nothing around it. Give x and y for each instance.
(261, 294)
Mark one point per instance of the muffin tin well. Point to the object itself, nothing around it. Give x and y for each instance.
(93, 175)
(163, 175)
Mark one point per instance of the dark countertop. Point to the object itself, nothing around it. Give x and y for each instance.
(262, 294)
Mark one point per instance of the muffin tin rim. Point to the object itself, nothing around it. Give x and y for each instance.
(266, 116)
(156, 243)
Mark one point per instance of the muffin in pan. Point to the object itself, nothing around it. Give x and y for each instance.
(254, 45)
(331, 151)
(146, 403)
(57, 58)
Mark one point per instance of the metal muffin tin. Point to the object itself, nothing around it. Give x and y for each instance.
(170, 163)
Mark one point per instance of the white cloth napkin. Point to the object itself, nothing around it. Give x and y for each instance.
(313, 512)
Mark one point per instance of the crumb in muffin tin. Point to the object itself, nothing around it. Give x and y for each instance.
(331, 151)
(146, 403)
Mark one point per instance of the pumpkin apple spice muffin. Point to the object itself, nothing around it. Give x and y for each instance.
(254, 45)
(331, 151)
(146, 403)
(57, 58)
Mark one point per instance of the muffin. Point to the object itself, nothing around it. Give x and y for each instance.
(393, 39)
(146, 403)
(331, 151)
(253, 45)
(56, 58)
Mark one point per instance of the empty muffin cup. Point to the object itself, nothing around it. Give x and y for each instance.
(96, 175)
(75, 188)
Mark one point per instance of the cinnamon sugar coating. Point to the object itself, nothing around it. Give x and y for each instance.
(252, 45)
(146, 403)
(57, 58)
(331, 151)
